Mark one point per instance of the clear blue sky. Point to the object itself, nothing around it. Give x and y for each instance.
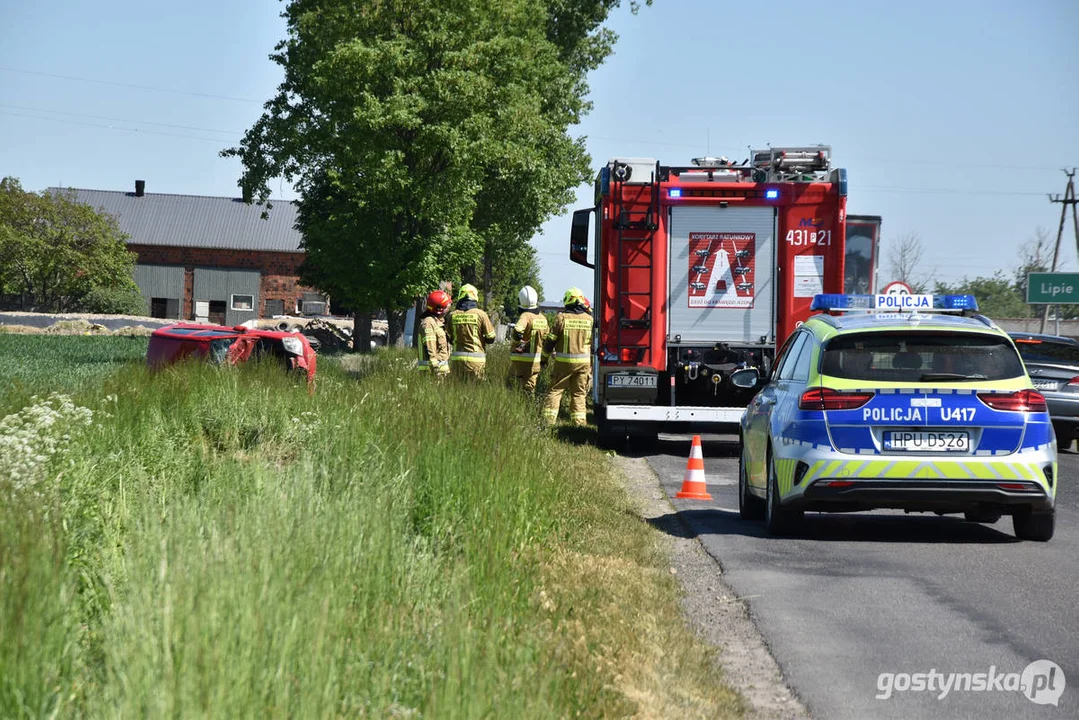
(952, 118)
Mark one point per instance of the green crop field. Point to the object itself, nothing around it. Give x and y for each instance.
(219, 542)
(40, 364)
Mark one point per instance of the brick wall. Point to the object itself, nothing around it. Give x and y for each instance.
(279, 271)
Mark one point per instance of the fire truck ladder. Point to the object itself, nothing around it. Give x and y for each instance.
(636, 228)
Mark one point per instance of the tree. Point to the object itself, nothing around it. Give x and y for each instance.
(57, 253)
(512, 271)
(905, 258)
(998, 296)
(421, 136)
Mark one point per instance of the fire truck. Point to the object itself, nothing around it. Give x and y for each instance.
(703, 270)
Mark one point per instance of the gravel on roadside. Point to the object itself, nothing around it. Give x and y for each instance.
(711, 607)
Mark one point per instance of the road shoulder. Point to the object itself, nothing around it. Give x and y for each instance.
(711, 607)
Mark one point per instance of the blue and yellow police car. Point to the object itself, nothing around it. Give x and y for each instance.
(919, 404)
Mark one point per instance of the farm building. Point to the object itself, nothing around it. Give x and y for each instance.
(212, 259)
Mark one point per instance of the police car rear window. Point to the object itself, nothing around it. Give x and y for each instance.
(920, 357)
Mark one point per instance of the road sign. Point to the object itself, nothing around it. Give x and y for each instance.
(896, 288)
(1048, 288)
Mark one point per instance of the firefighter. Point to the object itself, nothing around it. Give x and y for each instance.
(528, 336)
(434, 348)
(570, 340)
(470, 332)
(588, 309)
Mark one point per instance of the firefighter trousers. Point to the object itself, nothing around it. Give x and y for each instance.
(571, 378)
(523, 376)
(469, 370)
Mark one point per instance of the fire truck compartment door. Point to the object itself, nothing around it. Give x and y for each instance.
(722, 274)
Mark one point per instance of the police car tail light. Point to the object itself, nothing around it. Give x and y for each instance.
(1073, 382)
(829, 399)
(1021, 401)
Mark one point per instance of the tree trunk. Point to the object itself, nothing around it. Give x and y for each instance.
(361, 333)
(395, 327)
(420, 305)
(488, 261)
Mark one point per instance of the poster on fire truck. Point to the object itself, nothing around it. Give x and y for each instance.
(721, 269)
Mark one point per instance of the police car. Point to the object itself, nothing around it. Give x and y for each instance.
(898, 407)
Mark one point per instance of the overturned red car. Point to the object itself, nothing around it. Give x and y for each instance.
(232, 345)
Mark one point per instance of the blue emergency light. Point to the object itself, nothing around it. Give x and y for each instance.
(772, 194)
(840, 301)
(955, 302)
(674, 193)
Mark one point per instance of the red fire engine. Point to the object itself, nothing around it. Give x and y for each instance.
(702, 270)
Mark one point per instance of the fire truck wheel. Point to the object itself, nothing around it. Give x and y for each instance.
(607, 439)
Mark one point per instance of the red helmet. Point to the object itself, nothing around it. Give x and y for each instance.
(438, 301)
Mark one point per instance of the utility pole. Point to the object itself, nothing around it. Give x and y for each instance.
(1068, 200)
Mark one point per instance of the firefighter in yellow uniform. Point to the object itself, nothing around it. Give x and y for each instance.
(470, 332)
(570, 339)
(528, 336)
(434, 348)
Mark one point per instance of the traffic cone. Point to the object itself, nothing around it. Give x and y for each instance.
(693, 487)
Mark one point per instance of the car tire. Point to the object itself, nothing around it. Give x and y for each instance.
(750, 507)
(778, 520)
(1037, 526)
(982, 516)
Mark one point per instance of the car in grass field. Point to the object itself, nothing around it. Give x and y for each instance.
(918, 411)
(1053, 365)
(232, 345)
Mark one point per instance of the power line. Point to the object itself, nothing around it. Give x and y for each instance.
(130, 85)
(938, 191)
(125, 120)
(219, 141)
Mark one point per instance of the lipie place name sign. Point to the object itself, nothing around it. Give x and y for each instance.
(1052, 288)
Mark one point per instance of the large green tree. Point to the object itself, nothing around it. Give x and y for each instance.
(59, 254)
(423, 135)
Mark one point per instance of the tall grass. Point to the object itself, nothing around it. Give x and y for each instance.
(223, 543)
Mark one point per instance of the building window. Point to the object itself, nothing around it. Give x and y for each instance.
(243, 302)
(164, 307)
(217, 312)
(275, 307)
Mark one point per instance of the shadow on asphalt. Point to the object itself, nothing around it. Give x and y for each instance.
(833, 527)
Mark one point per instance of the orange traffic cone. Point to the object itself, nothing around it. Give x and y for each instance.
(693, 486)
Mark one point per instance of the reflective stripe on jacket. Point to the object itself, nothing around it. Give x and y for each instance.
(570, 338)
(470, 332)
(433, 347)
(528, 335)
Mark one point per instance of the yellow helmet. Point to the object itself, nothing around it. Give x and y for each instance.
(573, 296)
(468, 291)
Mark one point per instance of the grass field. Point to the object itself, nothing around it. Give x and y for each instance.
(221, 543)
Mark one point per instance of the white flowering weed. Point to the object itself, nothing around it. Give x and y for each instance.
(30, 437)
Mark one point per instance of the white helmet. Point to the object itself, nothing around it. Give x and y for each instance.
(527, 299)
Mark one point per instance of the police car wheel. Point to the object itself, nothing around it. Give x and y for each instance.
(778, 520)
(750, 507)
(1030, 525)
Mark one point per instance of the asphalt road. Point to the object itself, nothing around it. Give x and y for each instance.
(857, 595)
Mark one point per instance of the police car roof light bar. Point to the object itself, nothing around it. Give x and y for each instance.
(870, 303)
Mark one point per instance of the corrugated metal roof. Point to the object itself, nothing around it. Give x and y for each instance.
(197, 221)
